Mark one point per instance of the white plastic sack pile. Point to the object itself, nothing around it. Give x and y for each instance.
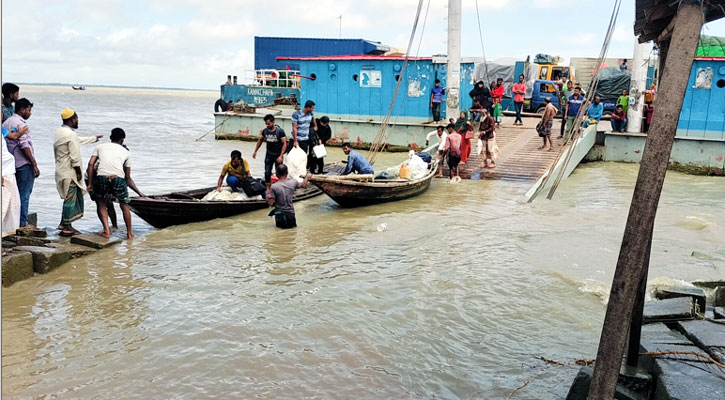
(415, 162)
(227, 195)
(479, 147)
(296, 162)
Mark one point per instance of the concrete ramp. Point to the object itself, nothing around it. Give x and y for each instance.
(578, 150)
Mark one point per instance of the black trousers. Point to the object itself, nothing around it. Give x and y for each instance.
(436, 110)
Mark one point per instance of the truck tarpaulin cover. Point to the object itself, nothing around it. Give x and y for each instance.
(611, 82)
(505, 72)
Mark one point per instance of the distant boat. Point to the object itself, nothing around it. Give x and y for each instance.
(78, 87)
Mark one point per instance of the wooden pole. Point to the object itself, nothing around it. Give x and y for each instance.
(643, 209)
(635, 328)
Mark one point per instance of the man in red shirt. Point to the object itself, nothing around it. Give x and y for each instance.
(519, 90)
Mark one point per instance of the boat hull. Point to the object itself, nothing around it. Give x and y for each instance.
(179, 208)
(356, 194)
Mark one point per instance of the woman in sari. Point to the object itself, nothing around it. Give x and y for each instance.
(462, 126)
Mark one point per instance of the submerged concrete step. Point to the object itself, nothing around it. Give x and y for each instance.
(45, 259)
(677, 309)
(16, 266)
(94, 241)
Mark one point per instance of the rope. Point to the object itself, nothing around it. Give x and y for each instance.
(212, 129)
(590, 95)
(480, 35)
(380, 139)
(576, 126)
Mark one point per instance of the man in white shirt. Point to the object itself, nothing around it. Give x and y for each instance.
(112, 179)
(441, 134)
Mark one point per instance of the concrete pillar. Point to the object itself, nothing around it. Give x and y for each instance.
(453, 70)
(637, 86)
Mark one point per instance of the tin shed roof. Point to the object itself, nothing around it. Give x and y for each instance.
(653, 16)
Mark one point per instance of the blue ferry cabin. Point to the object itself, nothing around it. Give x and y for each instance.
(361, 87)
(703, 109)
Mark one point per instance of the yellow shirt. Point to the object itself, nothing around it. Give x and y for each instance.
(237, 172)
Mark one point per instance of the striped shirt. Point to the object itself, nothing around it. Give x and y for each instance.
(303, 124)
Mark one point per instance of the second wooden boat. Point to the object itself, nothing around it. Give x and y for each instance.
(349, 192)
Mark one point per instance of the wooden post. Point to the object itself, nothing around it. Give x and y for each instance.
(643, 209)
(635, 328)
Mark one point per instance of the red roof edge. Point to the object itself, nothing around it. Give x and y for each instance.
(353, 57)
(710, 58)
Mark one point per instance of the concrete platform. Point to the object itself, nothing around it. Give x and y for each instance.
(697, 295)
(45, 259)
(677, 309)
(94, 241)
(16, 266)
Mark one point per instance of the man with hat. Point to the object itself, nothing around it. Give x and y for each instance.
(68, 175)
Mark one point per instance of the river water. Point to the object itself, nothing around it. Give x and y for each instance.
(467, 285)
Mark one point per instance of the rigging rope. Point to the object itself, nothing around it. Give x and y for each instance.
(576, 126)
(480, 35)
(380, 139)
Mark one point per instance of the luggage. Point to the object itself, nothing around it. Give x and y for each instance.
(425, 157)
(253, 187)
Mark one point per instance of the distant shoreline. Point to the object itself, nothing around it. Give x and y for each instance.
(115, 86)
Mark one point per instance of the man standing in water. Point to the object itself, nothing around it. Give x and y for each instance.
(441, 134)
(113, 180)
(68, 175)
(281, 197)
(276, 145)
(453, 149)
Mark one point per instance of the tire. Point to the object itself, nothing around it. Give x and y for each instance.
(541, 110)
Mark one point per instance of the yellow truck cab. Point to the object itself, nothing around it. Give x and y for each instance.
(552, 72)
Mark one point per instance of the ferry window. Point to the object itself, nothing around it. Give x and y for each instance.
(721, 83)
(313, 76)
(333, 77)
(354, 77)
(544, 73)
(397, 78)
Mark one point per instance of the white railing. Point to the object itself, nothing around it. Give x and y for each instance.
(280, 78)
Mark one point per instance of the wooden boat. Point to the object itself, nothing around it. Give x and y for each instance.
(349, 192)
(179, 208)
(78, 87)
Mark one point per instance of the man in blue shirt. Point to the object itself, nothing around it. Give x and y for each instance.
(356, 162)
(301, 120)
(573, 104)
(436, 97)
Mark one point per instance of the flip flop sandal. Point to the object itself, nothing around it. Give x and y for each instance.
(71, 233)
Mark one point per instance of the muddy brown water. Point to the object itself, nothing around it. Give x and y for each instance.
(467, 285)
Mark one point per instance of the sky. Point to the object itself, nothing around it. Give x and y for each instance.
(195, 44)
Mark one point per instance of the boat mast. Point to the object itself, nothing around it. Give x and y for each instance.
(453, 68)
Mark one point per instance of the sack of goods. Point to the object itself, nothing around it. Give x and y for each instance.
(540, 129)
(296, 164)
(319, 151)
(227, 195)
(479, 147)
(415, 162)
(425, 157)
(404, 171)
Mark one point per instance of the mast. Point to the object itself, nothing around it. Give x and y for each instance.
(453, 68)
(637, 86)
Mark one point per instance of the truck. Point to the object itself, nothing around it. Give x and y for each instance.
(544, 69)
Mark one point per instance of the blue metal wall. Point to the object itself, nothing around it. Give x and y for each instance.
(335, 91)
(267, 49)
(703, 110)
